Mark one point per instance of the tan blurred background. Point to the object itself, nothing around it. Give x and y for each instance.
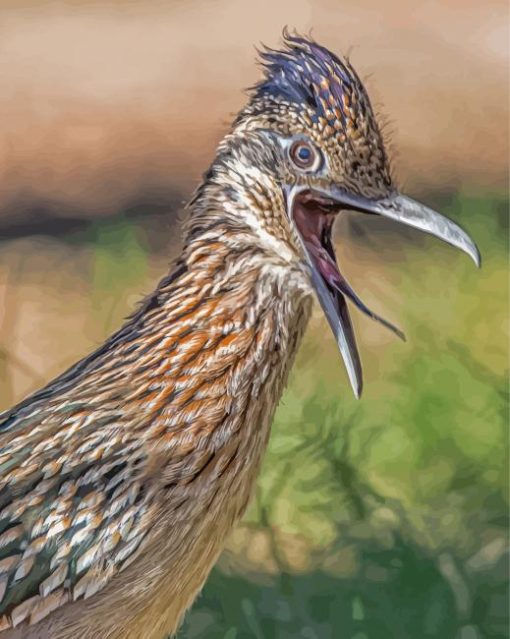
(106, 104)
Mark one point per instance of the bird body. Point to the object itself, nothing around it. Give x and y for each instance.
(121, 479)
(147, 450)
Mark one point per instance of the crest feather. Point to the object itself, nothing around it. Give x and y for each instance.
(310, 76)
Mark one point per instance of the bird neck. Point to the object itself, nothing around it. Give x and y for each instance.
(241, 202)
(227, 318)
(224, 326)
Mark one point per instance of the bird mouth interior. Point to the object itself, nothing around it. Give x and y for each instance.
(314, 216)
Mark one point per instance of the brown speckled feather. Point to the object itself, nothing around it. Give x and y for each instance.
(147, 442)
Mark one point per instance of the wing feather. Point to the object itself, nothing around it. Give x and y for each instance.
(72, 514)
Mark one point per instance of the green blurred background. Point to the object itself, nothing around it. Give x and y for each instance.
(373, 519)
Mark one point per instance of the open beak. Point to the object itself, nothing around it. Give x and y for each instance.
(314, 212)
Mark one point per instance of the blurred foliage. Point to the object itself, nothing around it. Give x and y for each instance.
(384, 518)
(112, 273)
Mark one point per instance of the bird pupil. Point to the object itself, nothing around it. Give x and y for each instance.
(304, 153)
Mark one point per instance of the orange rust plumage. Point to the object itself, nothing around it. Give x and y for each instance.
(123, 477)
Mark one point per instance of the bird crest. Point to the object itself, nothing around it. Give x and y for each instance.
(307, 89)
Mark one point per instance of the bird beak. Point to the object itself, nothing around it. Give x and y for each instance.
(313, 213)
(406, 210)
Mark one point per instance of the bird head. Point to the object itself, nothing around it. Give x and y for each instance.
(321, 139)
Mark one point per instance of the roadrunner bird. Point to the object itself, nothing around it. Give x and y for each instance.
(121, 479)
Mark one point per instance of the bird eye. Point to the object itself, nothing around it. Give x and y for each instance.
(304, 155)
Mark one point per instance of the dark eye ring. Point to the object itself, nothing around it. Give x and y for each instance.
(304, 155)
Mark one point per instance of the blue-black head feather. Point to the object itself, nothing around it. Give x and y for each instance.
(303, 72)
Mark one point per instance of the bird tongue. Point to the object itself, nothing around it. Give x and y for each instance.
(326, 264)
